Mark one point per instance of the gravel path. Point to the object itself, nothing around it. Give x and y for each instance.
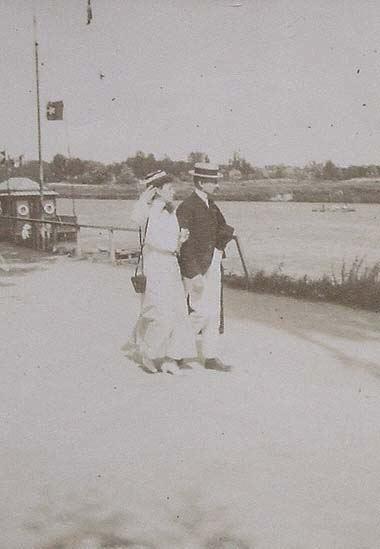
(280, 453)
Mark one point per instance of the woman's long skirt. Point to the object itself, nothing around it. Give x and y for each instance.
(163, 329)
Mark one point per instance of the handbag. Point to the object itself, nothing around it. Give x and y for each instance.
(139, 279)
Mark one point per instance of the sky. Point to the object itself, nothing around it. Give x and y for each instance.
(279, 81)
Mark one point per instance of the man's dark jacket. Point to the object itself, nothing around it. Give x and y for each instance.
(208, 230)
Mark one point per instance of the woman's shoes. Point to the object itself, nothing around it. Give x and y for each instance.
(148, 364)
(170, 367)
(167, 366)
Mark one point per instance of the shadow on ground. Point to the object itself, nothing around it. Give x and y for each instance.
(334, 328)
(184, 523)
(17, 261)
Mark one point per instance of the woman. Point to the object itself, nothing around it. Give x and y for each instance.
(163, 335)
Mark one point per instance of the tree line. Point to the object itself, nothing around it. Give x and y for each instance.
(76, 170)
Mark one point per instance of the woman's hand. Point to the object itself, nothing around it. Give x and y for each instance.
(148, 195)
(184, 235)
(140, 212)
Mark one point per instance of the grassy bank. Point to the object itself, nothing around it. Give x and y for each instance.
(101, 192)
(263, 190)
(357, 286)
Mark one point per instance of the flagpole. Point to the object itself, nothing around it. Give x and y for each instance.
(42, 228)
(66, 123)
(8, 191)
(67, 133)
(41, 168)
(8, 187)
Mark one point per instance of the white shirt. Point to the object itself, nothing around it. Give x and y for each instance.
(203, 196)
(163, 229)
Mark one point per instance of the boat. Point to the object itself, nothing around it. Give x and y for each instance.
(320, 209)
(28, 214)
(344, 208)
(30, 218)
(340, 208)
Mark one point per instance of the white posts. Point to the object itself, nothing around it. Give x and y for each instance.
(112, 246)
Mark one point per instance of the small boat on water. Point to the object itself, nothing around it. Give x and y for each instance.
(344, 208)
(320, 209)
(340, 208)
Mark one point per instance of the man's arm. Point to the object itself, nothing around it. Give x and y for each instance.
(224, 232)
(188, 257)
(184, 216)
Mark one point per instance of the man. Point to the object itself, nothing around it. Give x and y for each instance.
(200, 259)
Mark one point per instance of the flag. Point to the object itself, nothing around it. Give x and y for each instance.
(3, 158)
(89, 12)
(54, 110)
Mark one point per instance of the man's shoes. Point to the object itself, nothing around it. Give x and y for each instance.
(183, 364)
(216, 364)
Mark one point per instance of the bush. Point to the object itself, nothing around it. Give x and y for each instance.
(358, 286)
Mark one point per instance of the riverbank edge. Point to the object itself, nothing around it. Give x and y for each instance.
(357, 287)
(365, 191)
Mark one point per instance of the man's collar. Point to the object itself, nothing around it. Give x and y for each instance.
(202, 195)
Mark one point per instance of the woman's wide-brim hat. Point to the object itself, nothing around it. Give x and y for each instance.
(205, 170)
(157, 179)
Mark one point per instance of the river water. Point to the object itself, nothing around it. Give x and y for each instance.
(287, 236)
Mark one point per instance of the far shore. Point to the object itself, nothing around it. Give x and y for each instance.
(353, 191)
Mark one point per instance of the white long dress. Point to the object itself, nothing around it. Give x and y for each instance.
(163, 329)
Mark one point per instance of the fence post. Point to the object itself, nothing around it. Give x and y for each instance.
(112, 246)
(78, 249)
(41, 229)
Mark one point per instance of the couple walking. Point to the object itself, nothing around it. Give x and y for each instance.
(182, 252)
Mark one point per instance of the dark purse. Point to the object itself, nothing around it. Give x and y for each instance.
(139, 279)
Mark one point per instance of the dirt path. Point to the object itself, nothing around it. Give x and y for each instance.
(281, 453)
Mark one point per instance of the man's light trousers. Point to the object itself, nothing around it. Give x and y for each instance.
(206, 306)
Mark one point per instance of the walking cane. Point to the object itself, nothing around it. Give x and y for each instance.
(243, 262)
(221, 317)
(246, 275)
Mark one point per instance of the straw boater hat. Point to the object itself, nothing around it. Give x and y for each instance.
(206, 170)
(157, 179)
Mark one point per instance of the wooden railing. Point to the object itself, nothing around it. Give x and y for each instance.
(111, 229)
(68, 224)
(61, 223)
